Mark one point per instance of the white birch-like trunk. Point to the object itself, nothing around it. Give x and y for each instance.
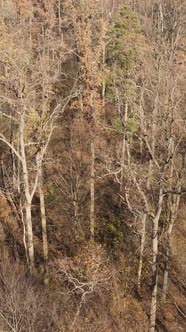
(14, 177)
(103, 82)
(142, 246)
(154, 129)
(149, 174)
(28, 197)
(173, 203)
(44, 233)
(24, 231)
(173, 214)
(92, 171)
(28, 218)
(155, 263)
(161, 20)
(59, 15)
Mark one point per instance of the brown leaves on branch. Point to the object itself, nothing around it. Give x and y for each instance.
(42, 10)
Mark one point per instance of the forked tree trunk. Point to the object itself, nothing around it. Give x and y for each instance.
(28, 196)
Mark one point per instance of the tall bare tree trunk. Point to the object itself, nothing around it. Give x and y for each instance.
(43, 219)
(142, 246)
(124, 121)
(154, 128)
(76, 210)
(92, 188)
(173, 205)
(24, 230)
(161, 19)
(14, 176)
(2, 11)
(29, 235)
(92, 168)
(103, 82)
(173, 213)
(155, 263)
(59, 15)
(28, 203)
(44, 233)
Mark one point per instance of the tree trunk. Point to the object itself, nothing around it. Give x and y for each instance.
(103, 82)
(24, 230)
(59, 15)
(29, 235)
(173, 213)
(123, 148)
(154, 132)
(43, 219)
(44, 233)
(92, 188)
(13, 162)
(149, 174)
(144, 218)
(28, 198)
(155, 263)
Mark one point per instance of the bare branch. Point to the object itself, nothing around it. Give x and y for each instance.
(4, 140)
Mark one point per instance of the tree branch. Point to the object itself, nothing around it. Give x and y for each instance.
(4, 140)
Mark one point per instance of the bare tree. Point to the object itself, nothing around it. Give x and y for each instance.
(26, 99)
(85, 16)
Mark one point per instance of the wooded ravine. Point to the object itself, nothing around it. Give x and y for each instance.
(92, 166)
